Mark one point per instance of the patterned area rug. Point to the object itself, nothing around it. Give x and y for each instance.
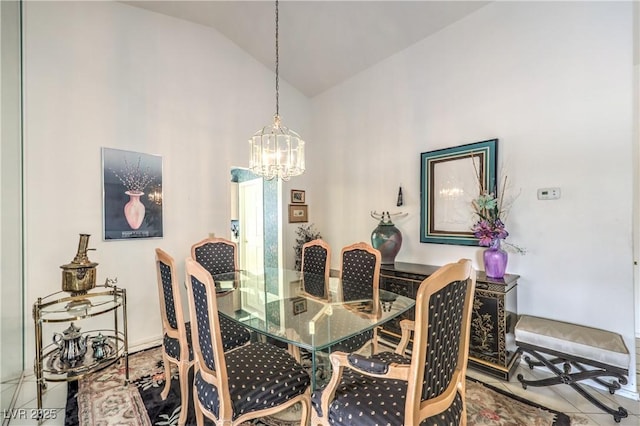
(101, 399)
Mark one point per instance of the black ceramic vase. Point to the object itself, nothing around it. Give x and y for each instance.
(387, 239)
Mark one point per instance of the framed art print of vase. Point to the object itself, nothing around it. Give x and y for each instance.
(132, 195)
(134, 210)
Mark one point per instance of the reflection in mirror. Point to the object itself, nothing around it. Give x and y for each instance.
(11, 296)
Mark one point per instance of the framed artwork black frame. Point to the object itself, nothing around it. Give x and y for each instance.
(297, 196)
(299, 305)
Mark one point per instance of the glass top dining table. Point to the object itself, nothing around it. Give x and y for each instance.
(274, 304)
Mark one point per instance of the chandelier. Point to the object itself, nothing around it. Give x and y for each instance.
(277, 151)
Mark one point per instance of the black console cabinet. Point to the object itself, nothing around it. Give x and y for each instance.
(495, 309)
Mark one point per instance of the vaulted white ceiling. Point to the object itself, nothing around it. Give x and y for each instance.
(322, 43)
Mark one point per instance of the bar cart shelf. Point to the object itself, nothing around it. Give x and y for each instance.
(81, 309)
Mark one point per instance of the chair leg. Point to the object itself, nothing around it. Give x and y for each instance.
(374, 342)
(183, 372)
(463, 418)
(197, 409)
(463, 393)
(167, 376)
(306, 409)
(315, 420)
(295, 352)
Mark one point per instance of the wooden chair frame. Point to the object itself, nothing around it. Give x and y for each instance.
(376, 309)
(376, 272)
(217, 241)
(219, 378)
(415, 409)
(327, 268)
(184, 364)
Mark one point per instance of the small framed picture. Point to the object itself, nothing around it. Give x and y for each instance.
(299, 305)
(297, 196)
(298, 213)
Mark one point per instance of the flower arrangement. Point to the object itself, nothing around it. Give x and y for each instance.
(492, 210)
(305, 234)
(133, 177)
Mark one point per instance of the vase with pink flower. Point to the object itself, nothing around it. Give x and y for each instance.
(135, 179)
(491, 232)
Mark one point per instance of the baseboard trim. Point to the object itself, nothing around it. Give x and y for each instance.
(625, 393)
(145, 344)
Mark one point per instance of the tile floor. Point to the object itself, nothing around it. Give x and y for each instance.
(559, 397)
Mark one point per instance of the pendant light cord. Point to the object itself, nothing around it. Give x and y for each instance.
(276, 151)
(277, 66)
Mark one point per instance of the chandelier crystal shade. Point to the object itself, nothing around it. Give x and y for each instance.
(277, 151)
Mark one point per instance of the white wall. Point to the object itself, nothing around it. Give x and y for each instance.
(104, 74)
(552, 81)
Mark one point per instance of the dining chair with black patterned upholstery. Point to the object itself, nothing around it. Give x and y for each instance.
(250, 382)
(176, 341)
(219, 257)
(427, 387)
(360, 280)
(216, 255)
(316, 265)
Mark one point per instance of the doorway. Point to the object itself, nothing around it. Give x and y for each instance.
(256, 218)
(251, 222)
(266, 214)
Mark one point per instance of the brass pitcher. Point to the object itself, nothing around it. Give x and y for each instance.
(79, 275)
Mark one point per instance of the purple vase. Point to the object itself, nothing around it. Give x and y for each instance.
(495, 260)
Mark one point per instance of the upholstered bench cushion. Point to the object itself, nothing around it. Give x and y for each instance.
(585, 342)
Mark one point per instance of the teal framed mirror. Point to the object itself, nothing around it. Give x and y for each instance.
(450, 179)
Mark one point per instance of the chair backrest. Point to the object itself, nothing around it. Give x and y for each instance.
(208, 349)
(316, 260)
(216, 255)
(441, 338)
(176, 342)
(360, 273)
(170, 299)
